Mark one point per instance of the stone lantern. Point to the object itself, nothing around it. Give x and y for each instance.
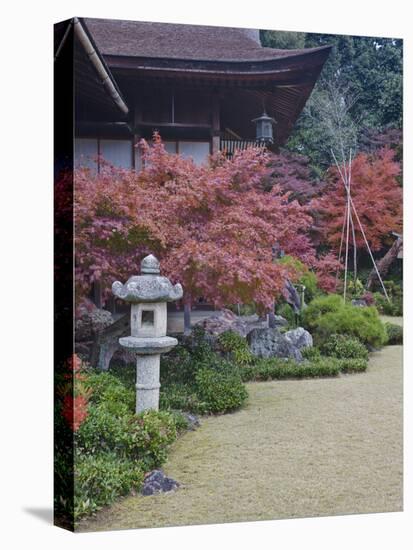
(148, 294)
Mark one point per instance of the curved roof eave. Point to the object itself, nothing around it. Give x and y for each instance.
(314, 58)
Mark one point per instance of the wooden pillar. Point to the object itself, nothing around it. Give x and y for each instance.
(216, 122)
(137, 119)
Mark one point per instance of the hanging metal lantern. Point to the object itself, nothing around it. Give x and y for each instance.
(264, 129)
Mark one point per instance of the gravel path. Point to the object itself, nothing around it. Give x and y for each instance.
(300, 448)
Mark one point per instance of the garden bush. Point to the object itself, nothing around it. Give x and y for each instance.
(344, 347)
(219, 391)
(101, 478)
(329, 315)
(185, 372)
(394, 334)
(144, 437)
(235, 347)
(362, 322)
(319, 307)
(108, 389)
(393, 308)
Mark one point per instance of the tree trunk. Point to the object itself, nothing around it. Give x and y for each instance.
(384, 264)
(187, 316)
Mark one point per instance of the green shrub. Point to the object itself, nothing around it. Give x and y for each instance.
(184, 374)
(219, 391)
(355, 289)
(102, 478)
(148, 437)
(362, 322)
(394, 307)
(108, 389)
(143, 437)
(311, 353)
(352, 365)
(235, 347)
(329, 315)
(394, 334)
(319, 307)
(344, 347)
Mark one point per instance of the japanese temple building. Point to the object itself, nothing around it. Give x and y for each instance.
(201, 87)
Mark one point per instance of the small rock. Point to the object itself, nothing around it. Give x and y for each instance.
(299, 337)
(156, 482)
(192, 419)
(359, 303)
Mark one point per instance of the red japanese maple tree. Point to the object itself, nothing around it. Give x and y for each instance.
(211, 226)
(377, 197)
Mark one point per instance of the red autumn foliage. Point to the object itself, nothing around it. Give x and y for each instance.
(73, 395)
(211, 226)
(376, 195)
(74, 410)
(292, 172)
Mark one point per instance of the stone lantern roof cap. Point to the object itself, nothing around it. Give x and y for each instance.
(150, 264)
(148, 287)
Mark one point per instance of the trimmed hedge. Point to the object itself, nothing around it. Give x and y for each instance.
(219, 391)
(270, 369)
(273, 369)
(352, 365)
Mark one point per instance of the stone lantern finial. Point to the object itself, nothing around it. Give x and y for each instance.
(150, 265)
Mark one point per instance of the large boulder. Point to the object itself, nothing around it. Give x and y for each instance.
(90, 321)
(299, 337)
(269, 342)
(224, 320)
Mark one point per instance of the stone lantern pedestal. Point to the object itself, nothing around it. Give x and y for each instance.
(148, 294)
